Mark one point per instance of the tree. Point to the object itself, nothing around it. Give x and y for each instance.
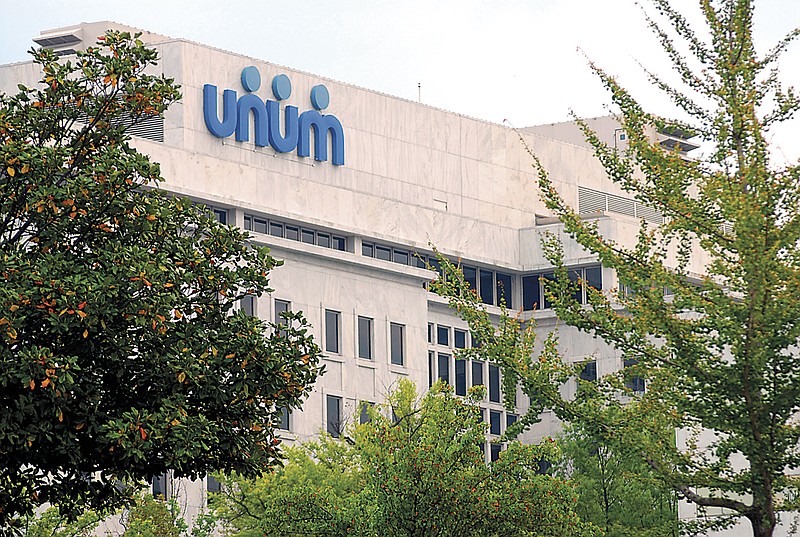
(616, 490)
(720, 354)
(123, 354)
(419, 473)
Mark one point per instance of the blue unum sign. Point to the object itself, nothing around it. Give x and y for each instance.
(295, 133)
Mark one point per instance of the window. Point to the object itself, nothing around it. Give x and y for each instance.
(589, 371)
(495, 451)
(443, 335)
(307, 236)
(220, 214)
(503, 282)
(364, 415)
(533, 286)
(430, 332)
(338, 243)
(383, 252)
(276, 229)
(248, 305)
(431, 368)
(634, 383)
(324, 240)
(511, 419)
(333, 409)
(444, 367)
(494, 383)
(281, 306)
(367, 249)
(486, 286)
(530, 293)
(494, 422)
(212, 484)
(459, 339)
(293, 233)
(332, 331)
(400, 256)
(282, 422)
(461, 377)
(365, 338)
(477, 373)
(397, 337)
(159, 487)
(471, 277)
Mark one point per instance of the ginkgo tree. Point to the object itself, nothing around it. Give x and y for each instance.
(720, 352)
(123, 353)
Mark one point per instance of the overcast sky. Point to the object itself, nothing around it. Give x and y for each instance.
(524, 61)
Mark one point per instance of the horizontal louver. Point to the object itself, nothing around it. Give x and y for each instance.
(592, 201)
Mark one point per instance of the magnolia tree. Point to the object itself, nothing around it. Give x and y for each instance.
(122, 351)
(720, 353)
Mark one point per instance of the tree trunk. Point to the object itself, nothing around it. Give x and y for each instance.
(763, 523)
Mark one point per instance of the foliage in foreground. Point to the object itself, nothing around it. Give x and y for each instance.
(422, 474)
(122, 353)
(616, 490)
(720, 354)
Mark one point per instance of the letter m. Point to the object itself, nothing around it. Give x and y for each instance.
(322, 125)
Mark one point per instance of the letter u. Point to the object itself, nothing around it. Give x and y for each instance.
(226, 127)
(283, 144)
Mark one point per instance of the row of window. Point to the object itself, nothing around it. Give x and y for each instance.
(440, 335)
(294, 232)
(533, 286)
(463, 373)
(492, 287)
(633, 383)
(366, 337)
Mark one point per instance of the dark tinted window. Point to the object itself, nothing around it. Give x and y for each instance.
(477, 373)
(397, 337)
(471, 277)
(494, 383)
(324, 240)
(293, 232)
(367, 249)
(443, 335)
(530, 293)
(334, 417)
(400, 256)
(259, 225)
(365, 337)
(461, 377)
(504, 290)
(487, 286)
(332, 331)
(589, 371)
(339, 243)
(459, 339)
(494, 422)
(382, 252)
(276, 229)
(594, 277)
(444, 367)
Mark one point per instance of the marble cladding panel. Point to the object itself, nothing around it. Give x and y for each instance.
(439, 134)
(452, 132)
(378, 151)
(332, 379)
(423, 126)
(363, 383)
(469, 137)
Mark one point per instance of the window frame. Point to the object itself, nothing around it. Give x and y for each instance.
(336, 318)
(397, 355)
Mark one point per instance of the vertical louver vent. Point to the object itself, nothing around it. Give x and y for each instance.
(593, 201)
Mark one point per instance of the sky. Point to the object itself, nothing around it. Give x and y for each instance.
(524, 62)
